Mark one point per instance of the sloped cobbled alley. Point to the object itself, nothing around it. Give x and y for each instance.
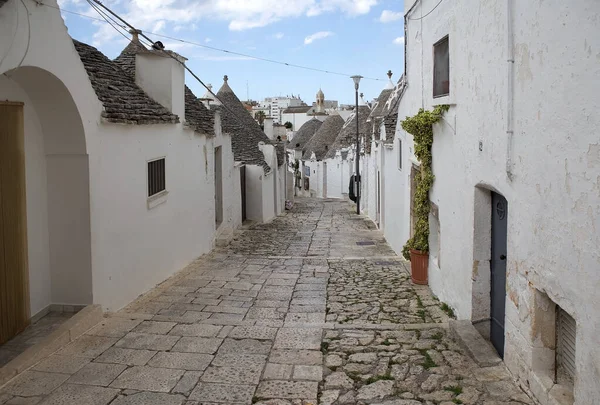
(312, 308)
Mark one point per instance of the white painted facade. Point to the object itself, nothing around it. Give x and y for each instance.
(94, 236)
(526, 130)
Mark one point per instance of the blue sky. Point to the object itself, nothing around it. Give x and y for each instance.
(350, 36)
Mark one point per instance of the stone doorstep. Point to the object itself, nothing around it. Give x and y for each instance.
(478, 348)
(66, 333)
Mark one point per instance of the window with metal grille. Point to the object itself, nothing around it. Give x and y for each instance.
(566, 332)
(441, 68)
(156, 176)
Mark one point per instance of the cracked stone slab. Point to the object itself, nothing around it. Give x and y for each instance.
(301, 357)
(232, 375)
(199, 330)
(245, 346)
(181, 361)
(81, 394)
(154, 327)
(61, 364)
(253, 332)
(130, 357)
(114, 327)
(222, 393)
(149, 398)
(239, 360)
(97, 374)
(147, 341)
(146, 378)
(197, 345)
(287, 389)
(32, 383)
(298, 338)
(88, 346)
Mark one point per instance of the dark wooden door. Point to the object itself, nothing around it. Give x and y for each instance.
(243, 189)
(498, 271)
(14, 269)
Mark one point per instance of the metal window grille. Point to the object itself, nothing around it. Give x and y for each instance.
(566, 330)
(156, 177)
(441, 68)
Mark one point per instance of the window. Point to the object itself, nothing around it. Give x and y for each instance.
(566, 331)
(441, 68)
(399, 154)
(156, 176)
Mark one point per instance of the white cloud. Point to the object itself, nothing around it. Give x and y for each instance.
(239, 14)
(390, 16)
(399, 41)
(317, 35)
(279, 35)
(207, 40)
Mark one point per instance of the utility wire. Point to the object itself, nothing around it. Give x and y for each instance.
(155, 47)
(431, 11)
(215, 48)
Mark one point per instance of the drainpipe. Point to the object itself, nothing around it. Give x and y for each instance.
(509, 88)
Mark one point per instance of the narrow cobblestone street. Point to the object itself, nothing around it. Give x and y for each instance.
(313, 307)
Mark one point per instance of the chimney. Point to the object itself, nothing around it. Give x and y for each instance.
(268, 123)
(162, 77)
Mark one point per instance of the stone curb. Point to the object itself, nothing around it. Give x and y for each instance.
(474, 344)
(70, 330)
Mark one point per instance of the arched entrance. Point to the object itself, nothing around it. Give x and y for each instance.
(45, 181)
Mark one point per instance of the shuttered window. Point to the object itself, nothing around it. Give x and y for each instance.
(441, 68)
(156, 176)
(566, 331)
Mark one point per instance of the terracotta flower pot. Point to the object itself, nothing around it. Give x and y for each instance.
(419, 262)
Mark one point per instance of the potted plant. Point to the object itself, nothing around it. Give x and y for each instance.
(416, 248)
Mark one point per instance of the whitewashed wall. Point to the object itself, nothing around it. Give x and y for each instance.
(553, 197)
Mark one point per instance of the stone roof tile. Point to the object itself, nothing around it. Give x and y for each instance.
(347, 135)
(123, 101)
(305, 133)
(325, 136)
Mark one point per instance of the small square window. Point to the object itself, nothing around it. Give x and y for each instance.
(156, 176)
(441, 68)
(399, 154)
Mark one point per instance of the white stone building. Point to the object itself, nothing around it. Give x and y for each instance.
(276, 106)
(516, 200)
(114, 174)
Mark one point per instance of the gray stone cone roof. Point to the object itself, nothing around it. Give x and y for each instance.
(297, 109)
(124, 102)
(305, 133)
(197, 116)
(2, 2)
(390, 118)
(347, 135)
(378, 109)
(320, 143)
(245, 132)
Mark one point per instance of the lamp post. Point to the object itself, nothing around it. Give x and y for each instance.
(356, 79)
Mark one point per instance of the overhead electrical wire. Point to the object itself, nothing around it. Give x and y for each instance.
(430, 11)
(107, 16)
(274, 61)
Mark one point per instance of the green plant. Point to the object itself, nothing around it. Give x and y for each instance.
(438, 336)
(420, 126)
(324, 347)
(456, 389)
(447, 310)
(428, 362)
(457, 401)
(376, 378)
(386, 342)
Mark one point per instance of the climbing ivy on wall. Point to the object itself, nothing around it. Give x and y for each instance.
(420, 127)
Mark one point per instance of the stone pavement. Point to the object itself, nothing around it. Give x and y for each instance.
(311, 308)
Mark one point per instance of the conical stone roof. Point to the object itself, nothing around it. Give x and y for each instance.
(245, 132)
(325, 136)
(305, 133)
(347, 135)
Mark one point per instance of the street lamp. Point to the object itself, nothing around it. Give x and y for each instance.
(356, 79)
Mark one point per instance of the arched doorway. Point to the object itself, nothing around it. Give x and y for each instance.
(52, 178)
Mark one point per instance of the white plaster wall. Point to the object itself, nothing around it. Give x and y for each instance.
(334, 178)
(137, 247)
(554, 204)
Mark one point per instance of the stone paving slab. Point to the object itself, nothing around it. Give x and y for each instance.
(311, 308)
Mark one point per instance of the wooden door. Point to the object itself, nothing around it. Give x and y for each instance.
(14, 270)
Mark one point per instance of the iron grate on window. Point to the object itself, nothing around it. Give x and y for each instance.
(156, 177)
